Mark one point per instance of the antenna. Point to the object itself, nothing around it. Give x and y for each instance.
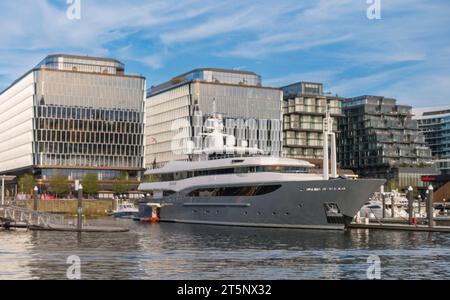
(215, 113)
(326, 175)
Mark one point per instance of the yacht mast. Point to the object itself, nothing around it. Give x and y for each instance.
(328, 133)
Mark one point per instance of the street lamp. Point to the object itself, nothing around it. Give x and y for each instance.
(79, 189)
(419, 199)
(35, 198)
(430, 207)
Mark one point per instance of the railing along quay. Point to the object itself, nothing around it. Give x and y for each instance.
(19, 217)
(15, 214)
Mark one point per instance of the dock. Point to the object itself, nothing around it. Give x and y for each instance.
(400, 227)
(84, 229)
(13, 217)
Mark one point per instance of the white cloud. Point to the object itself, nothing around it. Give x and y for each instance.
(408, 47)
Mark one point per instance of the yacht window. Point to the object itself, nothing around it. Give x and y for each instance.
(246, 191)
(167, 177)
(279, 169)
(237, 161)
(168, 193)
(374, 206)
(240, 170)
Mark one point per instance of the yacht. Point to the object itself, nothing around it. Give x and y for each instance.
(125, 209)
(239, 186)
(374, 210)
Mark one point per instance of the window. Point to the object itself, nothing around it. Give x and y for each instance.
(246, 191)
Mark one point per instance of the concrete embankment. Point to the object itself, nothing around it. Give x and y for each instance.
(91, 208)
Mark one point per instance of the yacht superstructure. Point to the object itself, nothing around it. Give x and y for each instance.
(239, 186)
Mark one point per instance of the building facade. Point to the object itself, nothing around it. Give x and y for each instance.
(434, 122)
(73, 115)
(176, 112)
(378, 138)
(304, 108)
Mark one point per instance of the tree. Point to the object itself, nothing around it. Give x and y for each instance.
(27, 184)
(121, 186)
(59, 185)
(392, 185)
(90, 184)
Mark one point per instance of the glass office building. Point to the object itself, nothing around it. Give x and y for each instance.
(73, 115)
(434, 122)
(176, 112)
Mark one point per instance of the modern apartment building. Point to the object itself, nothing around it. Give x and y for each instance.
(434, 122)
(378, 138)
(73, 115)
(304, 107)
(176, 111)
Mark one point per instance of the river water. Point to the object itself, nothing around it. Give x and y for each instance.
(180, 251)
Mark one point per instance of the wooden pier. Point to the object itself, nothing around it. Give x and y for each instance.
(12, 217)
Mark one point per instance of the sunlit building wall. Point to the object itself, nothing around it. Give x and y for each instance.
(434, 122)
(73, 115)
(378, 138)
(176, 112)
(304, 109)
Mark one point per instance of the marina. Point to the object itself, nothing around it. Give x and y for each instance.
(401, 227)
(180, 251)
(221, 141)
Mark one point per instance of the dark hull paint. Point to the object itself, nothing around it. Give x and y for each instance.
(295, 205)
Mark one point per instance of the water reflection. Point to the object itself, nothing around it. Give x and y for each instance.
(181, 251)
(15, 255)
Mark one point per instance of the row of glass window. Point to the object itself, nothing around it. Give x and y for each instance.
(87, 80)
(89, 126)
(89, 149)
(76, 67)
(244, 191)
(75, 174)
(303, 153)
(82, 113)
(89, 137)
(89, 160)
(241, 170)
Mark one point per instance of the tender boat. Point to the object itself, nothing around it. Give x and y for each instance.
(125, 210)
(239, 186)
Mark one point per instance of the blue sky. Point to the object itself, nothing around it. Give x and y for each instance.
(405, 54)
